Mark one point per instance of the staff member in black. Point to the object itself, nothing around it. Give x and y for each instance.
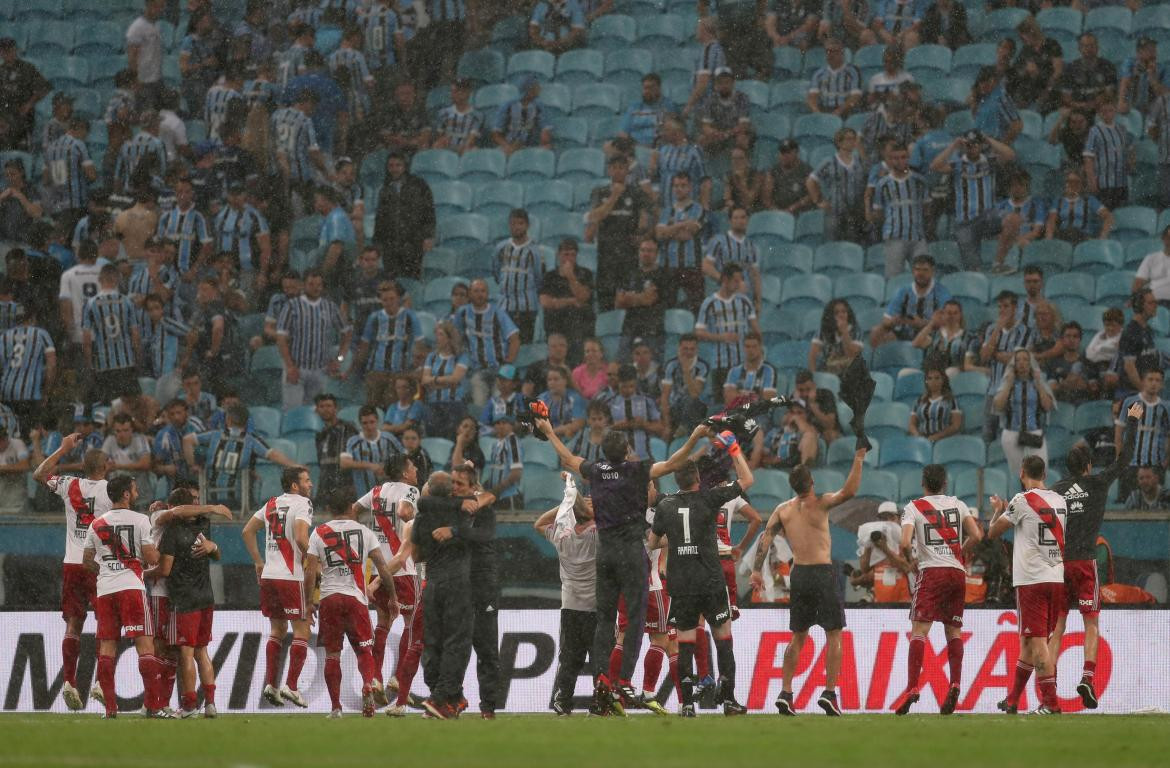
(442, 530)
(485, 595)
(618, 484)
(685, 523)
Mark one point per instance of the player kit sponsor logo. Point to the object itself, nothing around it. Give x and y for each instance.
(133, 628)
(873, 669)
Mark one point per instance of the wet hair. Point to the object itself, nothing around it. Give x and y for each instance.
(1033, 467)
(615, 446)
(800, 480)
(934, 478)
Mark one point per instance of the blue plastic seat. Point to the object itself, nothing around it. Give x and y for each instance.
(549, 198)
(481, 66)
(609, 323)
(862, 291)
(556, 228)
(969, 383)
(678, 321)
(451, 197)
(784, 259)
(1093, 414)
(786, 62)
(810, 227)
(869, 59)
(266, 420)
(538, 453)
(660, 32)
(1050, 255)
(1070, 285)
(887, 420)
(266, 359)
(840, 455)
(482, 165)
(100, 39)
(896, 355)
(880, 485)
(431, 164)
(1113, 288)
(1136, 250)
(557, 100)
(300, 420)
(837, 259)
(1063, 24)
(438, 448)
(628, 65)
(806, 293)
(950, 91)
(1096, 257)
(497, 200)
(1133, 222)
(532, 164)
(1109, 17)
(789, 96)
(815, 129)
(757, 92)
(771, 227)
(929, 59)
(905, 452)
(576, 165)
(973, 285)
(440, 262)
(1002, 23)
(909, 386)
(542, 488)
(509, 33)
(612, 32)
(580, 67)
(438, 291)
(790, 355)
(779, 325)
(490, 97)
(465, 232)
(969, 59)
(570, 133)
(596, 100)
(960, 453)
(538, 64)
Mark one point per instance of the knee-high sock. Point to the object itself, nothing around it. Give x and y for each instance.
(407, 668)
(1089, 670)
(366, 668)
(674, 676)
(105, 676)
(725, 656)
(271, 660)
(702, 654)
(686, 676)
(1048, 691)
(955, 660)
(914, 662)
(296, 660)
(70, 652)
(379, 652)
(615, 663)
(209, 693)
(167, 685)
(651, 668)
(1023, 672)
(333, 680)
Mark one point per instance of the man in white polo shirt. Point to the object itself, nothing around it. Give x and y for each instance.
(1154, 271)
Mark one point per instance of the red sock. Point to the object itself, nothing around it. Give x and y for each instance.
(955, 659)
(105, 676)
(189, 700)
(209, 694)
(407, 667)
(1047, 687)
(167, 685)
(652, 668)
(70, 651)
(296, 660)
(674, 676)
(1023, 672)
(914, 662)
(380, 635)
(271, 661)
(615, 662)
(702, 654)
(366, 668)
(148, 668)
(1089, 671)
(333, 680)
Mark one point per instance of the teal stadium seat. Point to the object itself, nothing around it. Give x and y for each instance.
(784, 259)
(806, 293)
(1096, 257)
(299, 421)
(1091, 415)
(612, 32)
(625, 67)
(869, 59)
(840, 454)
(1118, 19)
(887, 420)
(960, 453)
(905, 452)
(786, 62)
(969, 383)
(789, 355)
(577, 165)
(892, 357)
(879, 484)
(532, 164)
(499, 199)
(810, 227)
(556, 228)
(452, 197)
(438, 448)
(1053, 256)
(1063, 24)
(538, 64)
(815, 130)
(789, 97)
(1070, 285)
(928, 59)
(837, 259)
(465, 233)
(1002, 23)
(596, 100)
(557, 99)
(778, 325)
(431, 164)
(773, 229)
(1113, 288)
(570, 133)
(481, 166)
(542, 488)
(1136, 250)
(971, 285)
(440, 262)
(547, 198)
(1134, 222)
(863, 291)
(266, 420)
(757, 92)
(1153, 21)
(660, 33)
(102, 39)
(909, 386)
(580, 67)
(481, 66)
(509, 33)
(490, 97)
(538, 453)
(969, 59)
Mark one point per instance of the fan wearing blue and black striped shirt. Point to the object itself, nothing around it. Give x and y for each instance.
(110, 340)
(28, 369)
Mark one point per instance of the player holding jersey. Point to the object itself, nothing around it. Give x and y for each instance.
(286, 520)
(944, 529)
(337, 552)
(117, 547)
(1038, 516)
(729, 555)
(394, 504)
(84, 498)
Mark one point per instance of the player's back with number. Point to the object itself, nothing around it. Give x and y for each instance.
(342, 547)
(688, 521)
(282, 560)
(387, 502)
(117, 538)
(1038, 546)
(84, 501)
(938, 530)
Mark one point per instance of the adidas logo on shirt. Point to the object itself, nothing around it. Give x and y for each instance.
(1076, 492)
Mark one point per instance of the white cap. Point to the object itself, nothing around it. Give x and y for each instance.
(887, 508)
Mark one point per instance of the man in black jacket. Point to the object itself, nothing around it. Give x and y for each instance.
(404, 227)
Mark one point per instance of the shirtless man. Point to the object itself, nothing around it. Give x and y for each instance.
(815, 599)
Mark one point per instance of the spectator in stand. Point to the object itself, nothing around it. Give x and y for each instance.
(167, 447)
(517, 267)
(466, 449)
(649, 374)
(754, 376)
(363, 292)
(1072, 216)
(504, 470)
(972, 172)
(14, 470)
(791, 444)
(521, 123)
(385, 39)
(507, 398)
(591, 376)
(1033, 296)
(1153, 442)
(793, 24)
(351, 71)
(171, 129)
(443, 381)
(913, 306)
(1045, 332)
(58, 123)
(643, 120)
(838, 340)
(459, 125)
(618, 214)
(1000, 341)
(299, 158)
(212, 340)
(165, 347)
(1143, 78)
(1022, 220)
(994, 112)
(290, 288)
(242, 231)
(128, 452)
(403, 124)
(1071, 131)
(556, 354)
(1109, 155)
(330, 118)
(1137, 349)
(336, 238)
(680, 233)
(404, 227)
(835, 88)
(21, 87)
(897, 23)
(936, 415)
(820, 404)
(30, 368)
(1149, 495)
(384, 347)
(304, 332)
(144, 53)
(645, 297)
(566, 296)
(711, 57)
(137, 224)
(145, 148)
(331, 441)
(557, 26)
(901, 197)
(588, 442)
(1085, 79)
(743, 186)
(351, 195)
(722, 115)
(684, 378)
(944, 22)
(566, 407)
(406, 410)
(848, 21)
(734, 247)
(366, 452)
(636, 414)
(1023, 398)
(201, 405)
(1154, 271)
(890, 80)
(412, 445)
(1072, 377)
(20, 205)
(68, 173)
(227, 455)
(1031, 82)
(111, 343)
(837, 187)
(676, 156)
(198, 60)
(1158, 127)
(725, 319)
(784, 184)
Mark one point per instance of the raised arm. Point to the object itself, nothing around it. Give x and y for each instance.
(852, 483)
(568, 460)
(660, 468)
(1127, 443)
(45, 469)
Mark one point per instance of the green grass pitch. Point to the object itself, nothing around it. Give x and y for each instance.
(291, 741)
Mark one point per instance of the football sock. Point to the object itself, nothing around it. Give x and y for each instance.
(674, 675)
(296, 660)
(955, 659)
(651, 668)
(615, 662)
(702, 653)
(380, 635)
(209, 694)
(1047, 687)
(271, 660)
(686, 678)
(190, 700)
(725, 655)
(407, 667)
(70, 651)
(105, 676)
(366, 668)
(333, 680)
(914, 662)
(148, 668)
(1023, 672)
(1089, 670)
(167, 684)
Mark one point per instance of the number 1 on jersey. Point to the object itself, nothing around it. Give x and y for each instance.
(686, 521)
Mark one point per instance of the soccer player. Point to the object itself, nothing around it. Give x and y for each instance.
(286, 520)
(686, 523)
(394, 504)
(1085, 496)
(729, 555)
(366, 451)
(805, 522)
(1038, 516)
(337, 552)
(116, 548)
(944, 530)
(84, 498)
(619, 487)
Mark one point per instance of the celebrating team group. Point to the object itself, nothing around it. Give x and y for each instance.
(632, 563)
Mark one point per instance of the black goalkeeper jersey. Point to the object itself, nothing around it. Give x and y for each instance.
(1086, 496)
(687, 520)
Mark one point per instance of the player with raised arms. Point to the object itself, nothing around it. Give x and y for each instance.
(286, 520)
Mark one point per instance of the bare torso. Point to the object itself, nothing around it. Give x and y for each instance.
(806, 526)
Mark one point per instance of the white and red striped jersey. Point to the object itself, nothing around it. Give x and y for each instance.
(342, 546)
(282, 558)
(723, 523)
(938, 530)
(1038, 546)
(388, 501)
(84, 500)
(656, 556)
(117, 539)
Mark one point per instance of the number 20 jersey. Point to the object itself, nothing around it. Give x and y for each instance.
(931, 535)
(84, 500)
(117, 539)
(341, 547)
(282, 557)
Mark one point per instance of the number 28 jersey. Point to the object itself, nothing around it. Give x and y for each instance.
(687, 520)
(387, 501)
(342, 546)
(84, 500)
(282, 557)
(1038, 547)
(117, 539)
(938, 530)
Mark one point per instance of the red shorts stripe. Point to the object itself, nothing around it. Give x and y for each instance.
(160, 611)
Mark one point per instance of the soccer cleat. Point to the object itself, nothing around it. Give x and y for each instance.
(461, 705)
(334, 715)
(647, 701)
(687, 710)
(562, 708)
(391, 684)
(828, 702)
(414, 701)
(160, 714)
(602, 705)
(95, 693)
(487, 714)
(950, 702)
(379, 694)
(452, 711)
(271, 694)
(1006, 707)
(72, 697)
(210, 712)
(906, 698)
(293, 695)
(705, 693)
(1088, 695)
(435, 709)
(395, 710)
(186, 713)
(1045, 710)
(784, 704)
(367, 701)
(109, 715)
(628, 697)
(732, 708)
